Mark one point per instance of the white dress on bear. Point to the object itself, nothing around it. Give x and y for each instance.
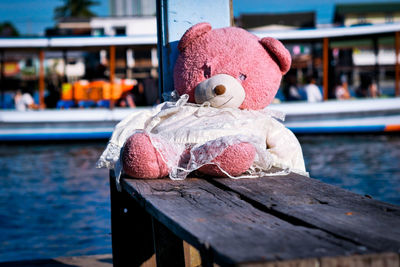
(176, 127)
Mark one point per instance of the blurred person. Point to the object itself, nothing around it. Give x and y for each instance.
(151, 91)
(291, 90)
(365, 81)
(312, 91)
(373, 90)
(126, 100)
(52, 97)
(341, 89)
(24, 101)
(138, 94)
(368, 86)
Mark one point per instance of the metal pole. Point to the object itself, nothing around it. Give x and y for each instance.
(41, 79)
(397, 67)
(112, 74)
(325, 60)
(173, 19)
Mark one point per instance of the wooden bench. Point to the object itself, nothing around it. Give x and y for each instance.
(271, 221)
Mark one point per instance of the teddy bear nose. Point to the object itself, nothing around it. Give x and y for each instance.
(219, 89)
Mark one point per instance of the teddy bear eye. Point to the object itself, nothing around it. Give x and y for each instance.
(206, 70)
(242, 76)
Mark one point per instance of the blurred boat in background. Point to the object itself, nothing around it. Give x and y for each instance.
(351, 116)
(376, 115)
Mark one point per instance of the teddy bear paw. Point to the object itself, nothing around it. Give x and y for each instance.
(141, 160)
(235, 160)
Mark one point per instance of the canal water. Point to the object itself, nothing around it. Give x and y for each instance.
(53, 202)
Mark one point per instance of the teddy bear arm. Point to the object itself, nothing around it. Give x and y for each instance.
(284, 147)
(140, 159)
(122, 131)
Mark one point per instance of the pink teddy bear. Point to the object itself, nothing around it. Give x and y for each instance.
(224, 78)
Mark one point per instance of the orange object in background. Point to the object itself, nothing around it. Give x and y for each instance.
(81, 90)
(66, 91)
(96, 90)
(128, 84)
(118, 88)
(116, 91)
(392, 128)
(11, 69)
(107, 91)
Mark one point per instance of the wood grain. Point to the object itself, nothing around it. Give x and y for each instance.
(305, 201)
(371, 260)
(168, 247)
(131, 231)
(229, 230)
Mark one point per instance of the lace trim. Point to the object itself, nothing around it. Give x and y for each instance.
(109, 157)
(184, 159)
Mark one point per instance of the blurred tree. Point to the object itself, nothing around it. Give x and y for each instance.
(7, 29)
(75, 9)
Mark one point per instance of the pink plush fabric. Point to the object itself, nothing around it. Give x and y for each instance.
(235, 160)
(278, 52)
(204, 52)
(257, 64)
(141, 160)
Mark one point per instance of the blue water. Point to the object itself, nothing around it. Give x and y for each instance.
(364, 164)
(53, 202)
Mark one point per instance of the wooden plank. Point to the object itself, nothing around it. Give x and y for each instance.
(228, 230)
(289, 263)
(371, 260)
(305, 201)
(192, 256)
(168, 247)
(174, 18)
(131, 231)
(374, 260)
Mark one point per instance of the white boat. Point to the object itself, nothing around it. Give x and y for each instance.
(350, 116)
(347, 116)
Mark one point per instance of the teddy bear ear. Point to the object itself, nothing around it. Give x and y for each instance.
(192, 33)
(278, 52)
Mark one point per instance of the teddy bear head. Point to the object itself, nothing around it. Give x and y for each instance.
(229, 67)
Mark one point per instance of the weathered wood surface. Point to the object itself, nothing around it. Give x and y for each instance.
(375, 260)
(231, 228)
(130, 224)
(168, 247)
(311, 203)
